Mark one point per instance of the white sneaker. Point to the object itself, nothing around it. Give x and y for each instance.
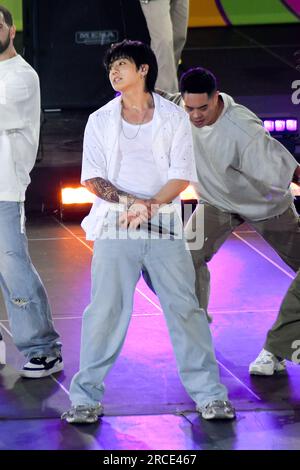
(266, 364)
(83, 414)
(2, 352)
(217, 409)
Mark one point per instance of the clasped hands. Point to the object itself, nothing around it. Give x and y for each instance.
(138, 213)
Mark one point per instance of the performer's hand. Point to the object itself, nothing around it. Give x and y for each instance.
(135, 215)
(139, 213)
(137, 222)
(125, 219)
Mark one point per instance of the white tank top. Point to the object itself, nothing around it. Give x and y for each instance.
(138, 172)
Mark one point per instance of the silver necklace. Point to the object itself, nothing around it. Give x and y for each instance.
(138, 124)
(137, 132)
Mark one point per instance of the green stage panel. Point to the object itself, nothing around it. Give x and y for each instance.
(240, 12)
(237, 12)
(15, 7)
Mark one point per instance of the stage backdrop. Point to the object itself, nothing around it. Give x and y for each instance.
(217, 12)
(15, 6)
(65, 41)
(243, 12)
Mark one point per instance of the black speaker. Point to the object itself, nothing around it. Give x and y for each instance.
(65, 41)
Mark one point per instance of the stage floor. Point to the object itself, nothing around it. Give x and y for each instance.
(146, 406)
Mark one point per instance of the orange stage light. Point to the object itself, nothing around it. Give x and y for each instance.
(81, 195)
(78, 195)
(188, 194)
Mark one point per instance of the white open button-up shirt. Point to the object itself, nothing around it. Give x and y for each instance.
(172, 148)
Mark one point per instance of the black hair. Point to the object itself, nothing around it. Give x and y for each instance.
(137, 52)
(198, 80)
(7, 16)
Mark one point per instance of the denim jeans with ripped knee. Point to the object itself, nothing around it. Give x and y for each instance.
(24, 294)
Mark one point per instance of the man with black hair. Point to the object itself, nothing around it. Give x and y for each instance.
(25, 297)
(244, 175)
(137, 158)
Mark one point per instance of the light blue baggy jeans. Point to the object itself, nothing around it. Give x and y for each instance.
(116, 268)
(25, 297)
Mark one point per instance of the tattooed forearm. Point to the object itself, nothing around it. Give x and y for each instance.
(107, 191)
(102, 188)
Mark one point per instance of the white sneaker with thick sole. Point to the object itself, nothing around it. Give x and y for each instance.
(83, 414)
(217, 409)
(2, 352)
(266, 364)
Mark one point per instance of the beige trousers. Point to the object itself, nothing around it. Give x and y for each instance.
(283, 234)
(283, 339)
(167, 22)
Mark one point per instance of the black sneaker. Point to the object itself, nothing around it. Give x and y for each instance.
(39, 367)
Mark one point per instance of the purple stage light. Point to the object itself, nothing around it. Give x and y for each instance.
(291, 125)
(269, 125)
(280, 125)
